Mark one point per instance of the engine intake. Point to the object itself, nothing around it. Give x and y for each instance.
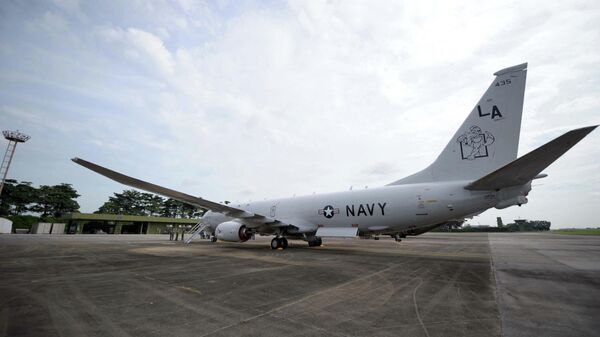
(232, 231)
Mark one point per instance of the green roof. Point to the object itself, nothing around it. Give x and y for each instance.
(128, 218)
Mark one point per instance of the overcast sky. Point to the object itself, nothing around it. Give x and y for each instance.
(246, 100)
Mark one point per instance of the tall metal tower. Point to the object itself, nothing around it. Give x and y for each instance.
(13, 138)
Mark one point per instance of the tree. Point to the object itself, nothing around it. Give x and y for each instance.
(23, 196)
(109, 207)
(177, 209)
(55, 200)
(20, 197)
(6, 197)
(170, 208)
(129, 202)
(151, 204)
(132, 202)
(189, 211)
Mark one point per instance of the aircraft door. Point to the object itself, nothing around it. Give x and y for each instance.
(273, 212)
(421, 206)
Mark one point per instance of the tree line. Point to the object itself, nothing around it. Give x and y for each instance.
(21, 198)
(132, 202)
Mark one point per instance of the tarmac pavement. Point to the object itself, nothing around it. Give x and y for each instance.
(435, 284)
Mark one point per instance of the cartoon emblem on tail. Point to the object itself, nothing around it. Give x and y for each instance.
(474, 143)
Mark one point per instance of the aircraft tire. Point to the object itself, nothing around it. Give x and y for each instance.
(213, 239)
(283, 243)
(275, 243)
(317, 242)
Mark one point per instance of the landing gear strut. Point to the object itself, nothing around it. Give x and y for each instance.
(397, 237)
(279, 243)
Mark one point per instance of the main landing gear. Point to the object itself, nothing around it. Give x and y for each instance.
(315, 242)
(279, 243)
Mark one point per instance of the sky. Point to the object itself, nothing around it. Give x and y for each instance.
(247, 100)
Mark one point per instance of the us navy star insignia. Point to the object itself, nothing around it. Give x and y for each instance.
(328, 211)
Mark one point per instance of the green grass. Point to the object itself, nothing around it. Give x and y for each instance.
(577, 231)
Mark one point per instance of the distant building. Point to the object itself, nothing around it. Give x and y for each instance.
(523, 225)
(86, 223)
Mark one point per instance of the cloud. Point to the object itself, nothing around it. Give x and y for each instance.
(141, 47)
(67, 5)
(275, 99)
(381, 169)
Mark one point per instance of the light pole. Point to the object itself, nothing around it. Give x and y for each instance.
(13, 137)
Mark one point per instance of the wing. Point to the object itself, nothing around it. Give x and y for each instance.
(188, 199)
(526, 168)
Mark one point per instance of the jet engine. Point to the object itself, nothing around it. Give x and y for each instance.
(513, 196)
(232, 231)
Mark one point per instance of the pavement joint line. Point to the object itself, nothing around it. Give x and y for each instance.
(196, 291)
(246, 320)
(398, 265)
(314, 327)
(499, 300)
(398, 326)
(417, 306)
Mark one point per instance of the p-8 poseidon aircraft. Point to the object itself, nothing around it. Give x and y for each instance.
(477, 170)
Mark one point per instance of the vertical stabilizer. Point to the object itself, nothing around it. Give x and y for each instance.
(488, 139)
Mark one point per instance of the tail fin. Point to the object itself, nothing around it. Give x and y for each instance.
(488, 139)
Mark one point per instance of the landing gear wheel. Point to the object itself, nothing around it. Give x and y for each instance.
(397, 238)
(213, 239)
(279, 243)
(275, 243)
(315, 242)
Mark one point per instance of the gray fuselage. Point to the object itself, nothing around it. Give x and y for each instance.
(386, 209)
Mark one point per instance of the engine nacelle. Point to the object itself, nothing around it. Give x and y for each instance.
(232, 231)
(518, 200)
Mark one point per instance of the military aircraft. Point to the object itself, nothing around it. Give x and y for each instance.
(477, 170)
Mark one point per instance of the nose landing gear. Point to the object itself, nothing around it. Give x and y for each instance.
(399, 236)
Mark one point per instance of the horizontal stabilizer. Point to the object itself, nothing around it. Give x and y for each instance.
(526, 168)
